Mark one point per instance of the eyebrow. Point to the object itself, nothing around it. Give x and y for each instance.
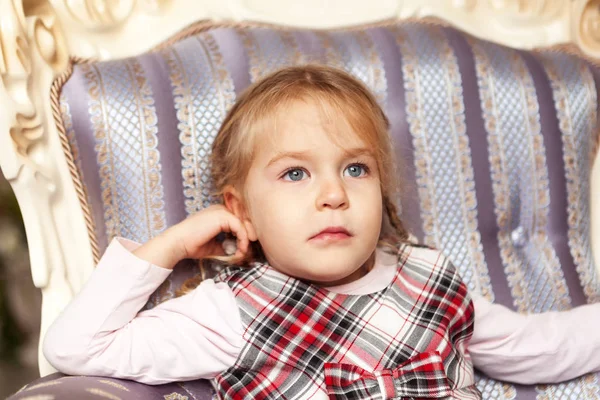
(304, 155)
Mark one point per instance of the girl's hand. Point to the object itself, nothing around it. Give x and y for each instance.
(197, 234)
(195, 237)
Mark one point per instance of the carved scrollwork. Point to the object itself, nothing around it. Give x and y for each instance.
(531, 10)
(26, 131)
(15, 60)
(99, 14)
(20, 37)
(32, 53)
(152, 7)
(16, 69)
(467, 5)
(587, 34)
(53, 50)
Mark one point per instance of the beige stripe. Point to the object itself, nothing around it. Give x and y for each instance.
(69, 132)
(99, 125)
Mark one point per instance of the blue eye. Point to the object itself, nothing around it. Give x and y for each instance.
(294, 174)
(356, 170)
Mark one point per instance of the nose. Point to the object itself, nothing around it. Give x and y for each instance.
(332, 195)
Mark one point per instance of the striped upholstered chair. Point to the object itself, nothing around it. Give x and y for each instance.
(496, 147)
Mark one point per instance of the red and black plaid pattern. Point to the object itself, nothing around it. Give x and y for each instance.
(300, 337)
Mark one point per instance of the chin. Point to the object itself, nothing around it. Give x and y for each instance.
(324, 266)
(329, 276)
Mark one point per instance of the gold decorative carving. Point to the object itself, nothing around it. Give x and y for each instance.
(588, 24)
(532, 10)
(153, 7)
(105, 14)
(468, 5)
(48, 43)
(32, 53)
(17, 47)
(16, 70)
(26, 131)
(15, 60)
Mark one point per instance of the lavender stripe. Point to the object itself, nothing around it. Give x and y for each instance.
(557, 228)
(395, 110)
(234, 56)
(310, 45)
(74, 90)
(486, 219)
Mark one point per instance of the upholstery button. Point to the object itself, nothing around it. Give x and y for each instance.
(519, 237)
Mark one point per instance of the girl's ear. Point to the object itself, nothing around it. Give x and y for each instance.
(235, 204)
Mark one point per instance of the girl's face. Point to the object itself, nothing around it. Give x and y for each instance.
(314, 204)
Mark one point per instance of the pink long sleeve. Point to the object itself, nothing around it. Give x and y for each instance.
(101, 333)
(549, 347)
(200, 334)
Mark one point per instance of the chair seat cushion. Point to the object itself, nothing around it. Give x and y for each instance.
(62, 387)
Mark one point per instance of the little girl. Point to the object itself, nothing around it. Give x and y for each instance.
(324, 294)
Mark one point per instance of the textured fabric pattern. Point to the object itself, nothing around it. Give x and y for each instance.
(495, 146)
(123, 115)
(417, 329)
(513, 126)
(435, 113)
(202, 93)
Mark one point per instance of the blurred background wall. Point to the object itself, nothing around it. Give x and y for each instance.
(20, 301)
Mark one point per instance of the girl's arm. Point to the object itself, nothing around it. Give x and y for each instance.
(549, 347)
(101, 332)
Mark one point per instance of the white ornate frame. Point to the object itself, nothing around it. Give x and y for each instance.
(38, 38)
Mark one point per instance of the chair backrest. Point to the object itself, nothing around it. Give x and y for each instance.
(496, 147)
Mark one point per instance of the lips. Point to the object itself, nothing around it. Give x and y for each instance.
(332, 233)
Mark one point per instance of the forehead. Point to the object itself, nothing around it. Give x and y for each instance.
(305, 125)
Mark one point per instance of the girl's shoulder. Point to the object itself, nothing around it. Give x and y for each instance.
(409, 249)
(424, 256)
(433, 270)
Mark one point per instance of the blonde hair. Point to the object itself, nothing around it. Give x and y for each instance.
(333, 90)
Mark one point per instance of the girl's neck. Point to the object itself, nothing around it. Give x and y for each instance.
(356, 275)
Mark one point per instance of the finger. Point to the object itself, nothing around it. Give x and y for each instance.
(242, 240)
(235, 226)
(240, 251)
(216, 249)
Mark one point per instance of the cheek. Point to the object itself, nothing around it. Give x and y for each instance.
(272, 215)
(371, 209)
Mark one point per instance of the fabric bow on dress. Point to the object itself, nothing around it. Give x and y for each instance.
(420, 377)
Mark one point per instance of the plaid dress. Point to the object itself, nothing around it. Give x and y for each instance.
(301, 341)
